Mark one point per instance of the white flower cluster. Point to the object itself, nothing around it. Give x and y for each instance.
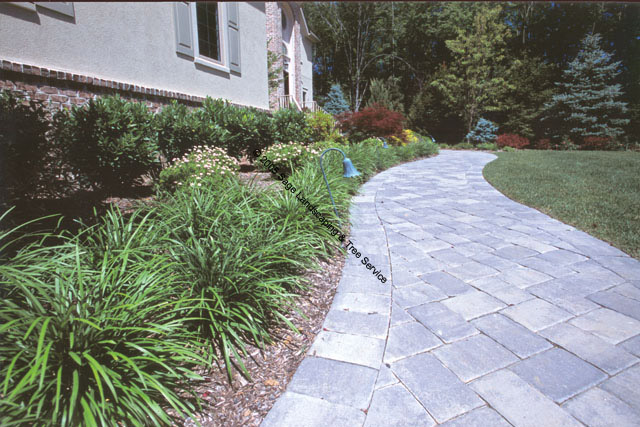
(283, 153)
(208, 161)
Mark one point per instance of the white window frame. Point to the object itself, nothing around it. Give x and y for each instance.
(205, 61)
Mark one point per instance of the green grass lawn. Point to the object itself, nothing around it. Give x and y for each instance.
(595, 191)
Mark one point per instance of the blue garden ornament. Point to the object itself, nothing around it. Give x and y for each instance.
(384, 143)
(349, 172)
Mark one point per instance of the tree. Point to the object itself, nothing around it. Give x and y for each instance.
(478, 79)
(587, 104)
(386, 93)
(485, 131)
(336, 104)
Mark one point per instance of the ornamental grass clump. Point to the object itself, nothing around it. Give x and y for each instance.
(84, 343)
(199, 164)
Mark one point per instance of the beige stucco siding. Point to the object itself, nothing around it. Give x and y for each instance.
(134, 43)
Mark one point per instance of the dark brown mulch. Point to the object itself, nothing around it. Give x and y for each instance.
(246, 403)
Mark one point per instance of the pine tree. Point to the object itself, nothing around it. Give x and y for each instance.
(587, 104)
(386, 93)
(485, 131)
(336, 103)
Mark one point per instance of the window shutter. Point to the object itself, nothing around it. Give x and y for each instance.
(233, 33)
(184, 32)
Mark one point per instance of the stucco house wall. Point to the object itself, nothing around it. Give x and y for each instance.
(129, 46)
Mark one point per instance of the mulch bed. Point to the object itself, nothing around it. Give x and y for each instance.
(246, 403)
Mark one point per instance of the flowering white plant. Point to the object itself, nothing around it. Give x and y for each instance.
(294, 153)
(200, 163)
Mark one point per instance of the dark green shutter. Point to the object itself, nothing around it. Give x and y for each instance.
(184, 31)
(233, 34)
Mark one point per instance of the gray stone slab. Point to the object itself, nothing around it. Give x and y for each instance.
(362, 303)
(536, 314)
(409, 339)
(402, 277)
(385, 377)
(511, 335)
(395, 406)
(448, 284)
(334, 381)
(594, 350)
(473, 304)
(598, 408)
(520, 403)
(512, 295)
(446, 324)
(494, 261)
(632, 345)
(567, 299)
(523, 277)
(547, 267)
(356, 349)
(490, 284)
(293, 409)
(481, 417)
(436, 387)
(609, 325)
(424, 265)
(625, 386)
(367, 284)
(473, 357)
(562, 257)
(617, 302)
(515, 252)
(625, 267)
(629, 290)
(471, 271)
(453, 238)
(351, 322)
(558, 374)
(399, 316)
(416, 294)
(451, 257)
(431, 245)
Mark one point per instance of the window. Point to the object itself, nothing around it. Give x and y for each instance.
(208, 34)
(209, 39)
(284, 20)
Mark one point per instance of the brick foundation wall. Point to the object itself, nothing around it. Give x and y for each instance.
(57, 89)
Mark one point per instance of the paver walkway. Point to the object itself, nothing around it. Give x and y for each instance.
(494, 314)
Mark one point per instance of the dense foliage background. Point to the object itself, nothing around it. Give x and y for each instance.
(458, 62)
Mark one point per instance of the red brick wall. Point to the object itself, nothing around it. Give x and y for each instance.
(57, 89)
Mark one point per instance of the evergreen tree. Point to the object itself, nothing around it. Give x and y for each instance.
(485, 131)
(587, 103)
(336, 104)
(386, 93)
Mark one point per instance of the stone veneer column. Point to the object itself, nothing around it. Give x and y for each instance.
(298, 59)
(274, 38)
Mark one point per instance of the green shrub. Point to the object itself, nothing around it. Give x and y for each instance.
(180, 129)
(108, 143)
(508, 149)
(491, 146)
(93, 345)
(199, 163)
(290, 125)
(323, 127)
(24, 152)
(249, 129)
(485, 131)
(464, 146)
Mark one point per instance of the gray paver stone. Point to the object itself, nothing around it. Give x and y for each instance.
(609, 325)
(416, 294)
(436, 387)
(512, 295)
(625, 386)
(594, 350)
(475, 356)
(337, 382)
(409, 339)
(520, 403)
(357, 349)
(395, 406)
(558, 374)
(523, 277)
(362, 303)
(385, 377)
(481, 417)
(536, 314)
(351, 322)
(471, 271)
(446, 324)
(399, 316)
(598, 408)
(474, 304)
(293, 409)
(447, 283)
(512, 335)
(618, 302)
(632, 345)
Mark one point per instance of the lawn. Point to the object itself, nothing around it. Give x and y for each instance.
(595, 191)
